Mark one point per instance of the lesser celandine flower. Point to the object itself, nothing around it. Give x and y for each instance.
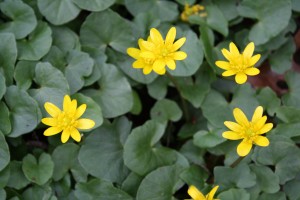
(249, 131)
(239, 64)
(192, 10)
(156, 53)
(67, 120)
(197, 195)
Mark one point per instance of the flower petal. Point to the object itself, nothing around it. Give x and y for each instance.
(52, 131)
(223, 65)
(140, 42)
(158, 65)
(147, 46)
(156, 36)
(226, 54)
(231, 135)
(233, 49)
(85, 123)
(254, 59)
(134, 52)
(233, 126)
(257, 114)
(178, 44)
(66, 103)
(240, 117)
(50, 121)
(179, 55)
(248, 52)
(266, 128)
(261, 141)
(171, 64)
(240, 78)
(65, 135)
(251, 71)
(260, 123)
(195, 193)
(147, 69)
(52, 109)
(228, 73)
(80, 110)
(244, 148)
(139, 64)
(160, 72)
(211, 194)
(75, 134)
(147, 54)
(171, 36)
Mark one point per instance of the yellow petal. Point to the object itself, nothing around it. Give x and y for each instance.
(231, 135)
(138, 64)
(160, 72)
(67, 102)
(233, 126)
(80, 110)
(147, 46)
(52, 109)
(85, 123)
(240, 117)
(75, 134)
(171, 64)
(248, 52)
(179, 55)
(260, 123)
(257, 114)
(147, 54)
(158, 65)
(178, 44)
(134, 52)
(226, 54)
(171, 36)
(195, 193)
(262, 141)
(254, 60)
(228, 73)
(233, 49)
(266, 128)
(156, 36)
(50, 121)
(65, 135)
(251, 71)
(140, 42)
(52, 131)
(73, 107)
(240, 78)
(147, 70)
(211, 194)
(223, 65)
(244, 148)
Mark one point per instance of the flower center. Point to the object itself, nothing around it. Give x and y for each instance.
(66, 121)
(164, 52)
(240, 63)
(250, 133)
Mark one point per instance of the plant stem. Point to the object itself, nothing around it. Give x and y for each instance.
(236, 162)
(184, 106)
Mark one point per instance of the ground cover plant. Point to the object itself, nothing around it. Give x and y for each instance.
(149, 99)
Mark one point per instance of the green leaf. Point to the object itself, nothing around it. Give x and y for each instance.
(164, 110)
(268, 100)
(64, 157)
(17, 179)
(228, 8)
(296, 5)
(216, 20)
(114, 31)
(193, 153)
(291, 189)
(137, 104)
(277, 196)
(266, 12)
(2, 86)
(24, 73)
(288, 114)
(141, 152)
(37, 45)
(40, 171)
(194, 175)
(193, 49)
(37, 193)
(106, 144)
(205, 139)
(292, 98)
(5, 122)
(93, 110)
(22, 16)
(94, 5)
(24, 111)
(132, 183)
(4, 176)
(101, 190)
(163, 181)
(241, 176)
(58, 12)
(8, 56)
(114, 95)
(53, 85)
(158, 88)
(80, 65)
(65, 39)
(281, 59)
(4, 152)
(2, 194)
(234, 194)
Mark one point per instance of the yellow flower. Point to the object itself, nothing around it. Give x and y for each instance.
(156, 53)
(197, 195)
(192, 10)
(250, 131)
(238, 64)
(67, 120)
